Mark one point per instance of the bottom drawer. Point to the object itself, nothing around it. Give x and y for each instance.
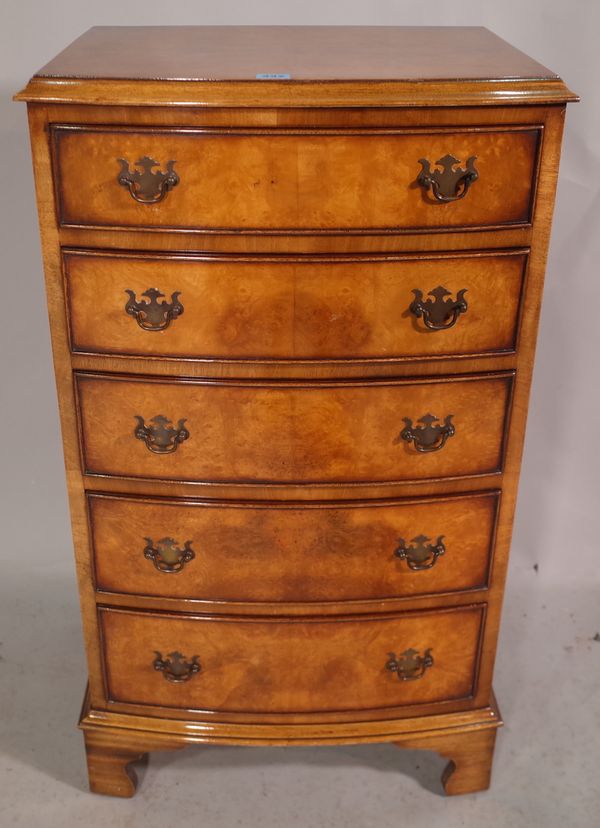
(286, 665)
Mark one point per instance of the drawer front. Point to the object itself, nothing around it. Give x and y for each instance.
(290, 666)
(309, 553)
(298, 309)
(289, 433)
(293, 181)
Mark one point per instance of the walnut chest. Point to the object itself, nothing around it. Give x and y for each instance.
(294, 278)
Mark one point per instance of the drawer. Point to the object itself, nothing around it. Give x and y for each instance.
(303, 308)
(292, 433)
(287, 665)
(238, 552)
(293, 181)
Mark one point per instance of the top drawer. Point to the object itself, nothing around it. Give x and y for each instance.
(292, 181)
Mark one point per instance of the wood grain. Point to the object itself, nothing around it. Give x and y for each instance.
(110, 756)
(327, 66)
(310, 182)
(293, 433)
(115, 740)
(471, 754)
(280, 666)
(266, 443)
(311, 553)
(303, 308)
(324, 53)
(190, 728)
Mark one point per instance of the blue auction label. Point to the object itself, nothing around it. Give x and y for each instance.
(273, 76)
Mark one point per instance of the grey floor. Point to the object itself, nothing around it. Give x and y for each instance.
(546, 767)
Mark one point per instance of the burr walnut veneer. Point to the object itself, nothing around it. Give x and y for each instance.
(294, 278)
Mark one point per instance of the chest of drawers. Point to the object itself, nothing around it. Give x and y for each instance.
(294, 279)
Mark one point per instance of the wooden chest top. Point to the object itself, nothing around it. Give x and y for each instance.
(295, 65)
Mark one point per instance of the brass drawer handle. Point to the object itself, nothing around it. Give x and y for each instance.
(447, 184)
(160, 437)
(410, 666)
(427, 437)
(147, 187)
(175, 668)
(439, 313)
(421, 554)
(152, 315)
(167, 556)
